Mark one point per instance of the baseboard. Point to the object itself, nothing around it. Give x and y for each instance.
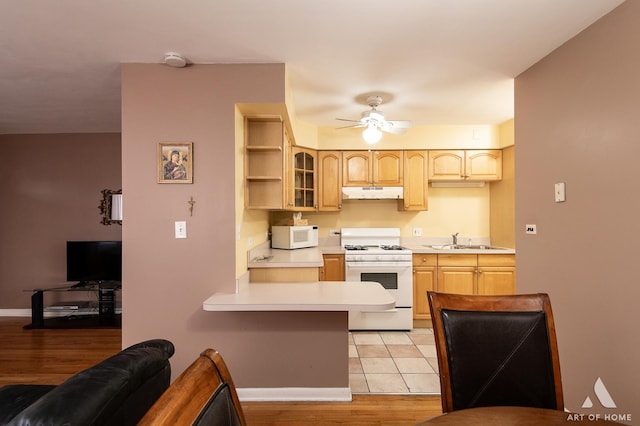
(15, 313)
(294, 394)
(48, 314)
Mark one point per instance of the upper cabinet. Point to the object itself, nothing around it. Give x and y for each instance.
(465, 165)
(265, 148)
(372, 168)
(302, 183)
(329, 180)
(415, 183)
(278, 175)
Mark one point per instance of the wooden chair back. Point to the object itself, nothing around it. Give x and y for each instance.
(204, 394)
(496, 351)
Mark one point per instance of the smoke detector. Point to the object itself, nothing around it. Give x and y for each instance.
(175, 60)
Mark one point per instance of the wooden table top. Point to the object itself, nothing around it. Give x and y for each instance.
(521, 416)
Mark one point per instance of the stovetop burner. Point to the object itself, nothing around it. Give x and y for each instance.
(392, 247)
(355, 247)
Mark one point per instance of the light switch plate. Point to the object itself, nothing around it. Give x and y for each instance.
(560, 192)
(181, 229)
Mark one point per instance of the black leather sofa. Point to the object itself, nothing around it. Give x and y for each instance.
(117, 391)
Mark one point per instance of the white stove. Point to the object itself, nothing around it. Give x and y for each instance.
(375, 254)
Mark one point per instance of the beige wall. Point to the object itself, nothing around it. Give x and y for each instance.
(502, 198)
(50, 193)
(577, 122)
(448, 213)
(166, 280)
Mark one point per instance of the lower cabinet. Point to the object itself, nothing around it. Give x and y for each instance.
(496, 274)
(424, 279)
(457, 273)
(333, 269)
(485, 274)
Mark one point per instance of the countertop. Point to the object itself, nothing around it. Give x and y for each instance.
(278, 258)
(304, 296)
(424, 248)
(312, 257)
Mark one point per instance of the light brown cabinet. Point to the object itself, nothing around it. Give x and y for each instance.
(372, 168)
(302, 180)
(424, 280)
(333, 268)
(415, 182)
(265, 148)
(486, 274)
(496, 274)
(278, 175)
(476, 274)
(465, 165)
(329, 180)
(457, 273)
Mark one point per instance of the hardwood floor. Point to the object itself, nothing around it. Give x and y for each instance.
(53, 355)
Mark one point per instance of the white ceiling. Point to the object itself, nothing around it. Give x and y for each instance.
(433, 61)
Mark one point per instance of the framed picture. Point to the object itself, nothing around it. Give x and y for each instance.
(175, 162)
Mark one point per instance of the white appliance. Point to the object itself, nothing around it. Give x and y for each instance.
(372, 192)
(294, 237)
(375, 254)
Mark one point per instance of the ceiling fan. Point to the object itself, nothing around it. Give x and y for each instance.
(375, 123)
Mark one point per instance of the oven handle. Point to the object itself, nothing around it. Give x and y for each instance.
(381, 265)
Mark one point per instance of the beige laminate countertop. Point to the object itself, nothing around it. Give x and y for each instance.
(304, 296)
(298, 258)
(423, 249)
(312, 257)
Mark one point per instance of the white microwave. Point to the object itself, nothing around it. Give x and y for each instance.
(294, 237)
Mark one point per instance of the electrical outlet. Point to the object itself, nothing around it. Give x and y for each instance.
(417, 232)
(250, 241)
(531, 229)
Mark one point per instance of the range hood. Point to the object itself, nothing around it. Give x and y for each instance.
(372, 192)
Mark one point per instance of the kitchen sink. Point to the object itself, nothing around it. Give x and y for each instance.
(463, 247)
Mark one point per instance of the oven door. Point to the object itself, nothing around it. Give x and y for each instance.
(398, 280)
(395, 277)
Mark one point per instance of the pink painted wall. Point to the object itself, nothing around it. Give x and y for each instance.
(577, 122)
(50, 192)
(166, 280)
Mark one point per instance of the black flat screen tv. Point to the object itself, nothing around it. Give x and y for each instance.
(94, 261)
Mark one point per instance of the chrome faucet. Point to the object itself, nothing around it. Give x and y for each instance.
(455, 238)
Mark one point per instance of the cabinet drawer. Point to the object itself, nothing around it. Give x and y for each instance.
(457, 260)
(496, 260)
(425, 259)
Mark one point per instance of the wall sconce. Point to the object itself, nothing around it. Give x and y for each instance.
(111, 207)
(372, 134)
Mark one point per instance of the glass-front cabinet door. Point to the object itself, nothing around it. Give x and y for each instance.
(303, 186)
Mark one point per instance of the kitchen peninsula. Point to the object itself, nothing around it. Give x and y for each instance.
(289, 305)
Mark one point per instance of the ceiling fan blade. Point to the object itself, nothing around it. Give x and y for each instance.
(346, 119)
(395, 127)
(394, 130)
(352, 126)
(405, 124)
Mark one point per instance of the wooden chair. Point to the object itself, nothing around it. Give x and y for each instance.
(496, 351)
(204, 394)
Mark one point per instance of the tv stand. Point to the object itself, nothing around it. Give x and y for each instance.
(106, 316)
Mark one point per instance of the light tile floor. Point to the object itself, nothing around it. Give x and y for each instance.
(393, 362)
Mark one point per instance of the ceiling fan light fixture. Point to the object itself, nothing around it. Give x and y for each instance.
(372, 134)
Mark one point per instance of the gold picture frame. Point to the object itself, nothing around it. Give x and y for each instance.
(175, 162)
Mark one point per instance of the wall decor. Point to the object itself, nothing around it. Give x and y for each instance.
(175, 162)
(111, 207)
